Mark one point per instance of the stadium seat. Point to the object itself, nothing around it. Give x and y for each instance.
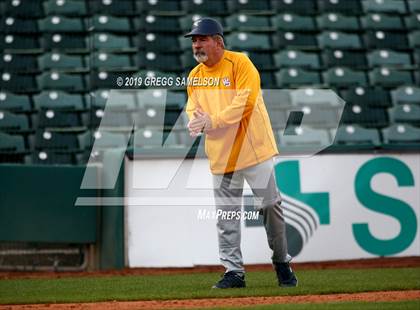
(344, 58)
(64, 62)
(307, 7)
(59, 100)
(108, 79)
(334, 21)
(344, 77)
(21, 83)
(400, 136)
(242, 22)
(162, 7)
(11, 144)
(14, 25)
(61, 24)
(248, 41)
(296, 40)
(65, 142)
(49, 157)
(65, 8)
(108, 61)
(160, 61)
(14, 123)
(296, 77)
(405, 113)
(65, 42)
(414, 6)
(62, 81)
(14, 102)
(414, 39)
(370, 96)
(340, 6)
(17, 63)
(333, 39)
(152, 23)
(303, 140)
(388, 6)
(112, 24)
(107, 140)
(19, 43)
(413, 21)
(107, 41)
(157, 42)
(364, 115)
(25, 9)
(150, 137)
(406, 94)
(385, 40)
(291, 58)
(114, 8)
(291, 22)
(261, 60)
(206, 7)
(356, 136)
(378, 21)
(388, 58)
(251, 6)
(56, 119)
(388, 77)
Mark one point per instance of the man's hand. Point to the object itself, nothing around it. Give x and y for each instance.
(200, 123)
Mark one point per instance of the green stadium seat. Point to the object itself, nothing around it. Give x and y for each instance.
(18, 63)
(297, 77)
(152, 23)
(114, 8)
(242, 22)
(291, 22)
(64, 62)
(385, 40)
(61, 24)
(25, 9)
(62, 81)
(388, 6)
(59, 100)
(150, 137)
(344, 77)
(412, 21)
(295, 40)
(206, 7)
(162, 7)
(65, 7)
(344, 58)
(334, 39)
(19, 43)
(378, 21)
(307, 7)
(251, 6)
(11, 144)
(262, 60)
(357, 137)
(389, 77)
(248, 41)
(48, 157)
(104, 23)
(334, 21)
(108, 61)
(414, 39)
(400, 136)
(292, 58)
(160, 61)
(16, 25)
(14, 102)
(10, 122)
(19, 83)
(56, 119)
(108, 42)
(107, 140)
(352, 7)
(107, 79)
(158, 42)
(364, 115)
(414, 6)
(405, 113)
(370, 96)
(304, 140)
(388, 58)
(49, 140)
(66, 43)
(406, 94)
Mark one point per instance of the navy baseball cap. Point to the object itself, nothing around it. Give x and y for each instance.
(205, 27)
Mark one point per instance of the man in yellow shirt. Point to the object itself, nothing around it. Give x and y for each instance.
(240, 145)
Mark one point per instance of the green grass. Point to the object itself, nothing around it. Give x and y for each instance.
(198, 285)
(409, 305)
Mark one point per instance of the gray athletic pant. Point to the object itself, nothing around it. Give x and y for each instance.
(228, 190)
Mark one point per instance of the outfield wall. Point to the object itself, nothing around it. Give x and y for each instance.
(336, 207)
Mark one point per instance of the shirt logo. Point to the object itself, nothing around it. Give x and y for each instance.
(226, 81)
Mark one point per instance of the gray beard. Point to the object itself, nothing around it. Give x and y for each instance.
(200, 57)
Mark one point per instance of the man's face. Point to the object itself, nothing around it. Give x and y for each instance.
(203, 47)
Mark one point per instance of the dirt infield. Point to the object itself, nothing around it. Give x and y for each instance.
(225, 302)
(389, 262)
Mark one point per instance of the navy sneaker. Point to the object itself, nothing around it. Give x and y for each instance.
(231, 279)
(285, 275)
